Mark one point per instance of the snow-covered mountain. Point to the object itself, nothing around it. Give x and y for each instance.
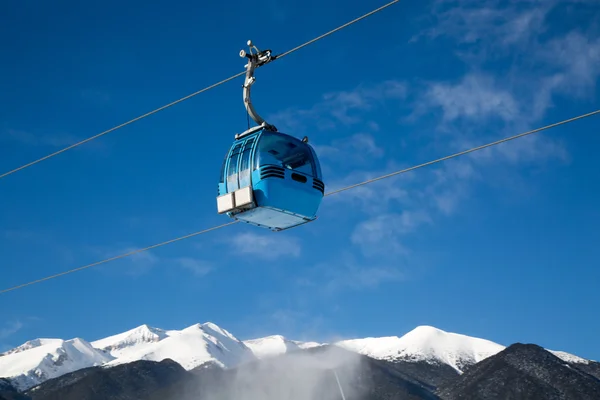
(39, 360)
(126, 343)
(275, 345)
(429, 344)
(570, 358)
(191, 347)
(42, 359)
(208, 344)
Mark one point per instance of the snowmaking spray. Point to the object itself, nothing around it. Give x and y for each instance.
(318, 374)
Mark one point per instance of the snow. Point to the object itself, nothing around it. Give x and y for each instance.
(37, 361)
(32, 344)
(190, 347)
(270, 346)
(570, 358)
(307, 345)
(275, 345)
(42, 359)
(132, 341)
(201, 344)
(432, 345)
(428, 344)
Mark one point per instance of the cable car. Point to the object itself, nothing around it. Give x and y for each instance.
(268, 178)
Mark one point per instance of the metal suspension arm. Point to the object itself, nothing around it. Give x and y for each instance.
(255, 59)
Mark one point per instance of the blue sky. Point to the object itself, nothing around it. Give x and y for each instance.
(500, 244)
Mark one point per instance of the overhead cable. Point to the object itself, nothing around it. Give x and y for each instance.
(366, 182)
(5, 174)
(402, 171)
(120, 256)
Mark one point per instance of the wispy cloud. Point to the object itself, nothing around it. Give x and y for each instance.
(574, 59)
(268, 246)
(361, 147)
(383, 233)
(476, 96)
(10, 328)
(17, 234)
(6, 331)
(28, 138)
(342, 108)
(195, 266)
(517, 66)
(51, 140)
(139, 264)
(355, 276)
(537, 62)
(373, 198)
(493, 24)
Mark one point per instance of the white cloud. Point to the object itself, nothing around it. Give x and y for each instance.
(450, 185)
(18, 234)
(359, 146)
(139, 263)
(515, 67)
(361, 277)
(384, 232)
(10, 328)
(538, 62)
(342, 108)
(371, 198)
(525, 150)
(269, 246)
(347, 271)
(195, 266)
(134, 265)
(477, 96)
(56, 140)
(575, 57)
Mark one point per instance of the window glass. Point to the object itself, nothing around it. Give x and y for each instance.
(245, 164)
(286, 152)
(222, 178)
(246, 155)
(232, 170)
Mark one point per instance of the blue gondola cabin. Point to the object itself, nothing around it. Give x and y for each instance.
(271, 180)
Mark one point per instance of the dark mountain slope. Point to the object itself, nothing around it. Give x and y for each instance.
(593, 368)
(8, 392)
(303, 375)
(523, 371)
(518, 372)
(430, 375)
(133, 381)
(421, 373)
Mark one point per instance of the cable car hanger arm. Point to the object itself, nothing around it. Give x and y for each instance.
(255, 59)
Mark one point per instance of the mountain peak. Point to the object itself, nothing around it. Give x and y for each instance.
(429, 344)
(206, 343)
(271, 346)
(570, 358)
(426, 330)
(118, 345)
(524, 371)
(31, 344)
(191, 347)
(43, 359)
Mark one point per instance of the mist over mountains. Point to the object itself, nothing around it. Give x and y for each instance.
(206, 361)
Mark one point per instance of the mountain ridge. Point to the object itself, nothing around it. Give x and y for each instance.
(208, 344)
(523, 371)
